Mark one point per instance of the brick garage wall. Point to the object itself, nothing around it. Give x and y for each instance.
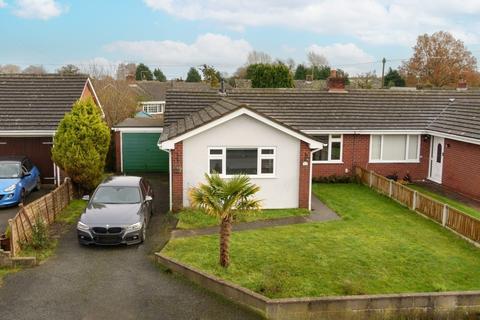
(461, 167)
(304, 176)
(177, 176)
(118, 151)
(356, 150)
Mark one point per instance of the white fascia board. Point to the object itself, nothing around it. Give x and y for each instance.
(27, 133)
(169, 144)
(396, 131)
(152, 102)
(453, 137)
(139, 130)
(92, 89)
(385, 132)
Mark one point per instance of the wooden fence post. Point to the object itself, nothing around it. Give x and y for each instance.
(370, 179)
(13, 237)
(414, 201)
(390, 188)
(444, 215)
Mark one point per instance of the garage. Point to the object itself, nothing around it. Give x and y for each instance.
(31, 107)
(136, 146)
(35, 148)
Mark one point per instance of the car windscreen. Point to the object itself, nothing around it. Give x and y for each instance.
(9, 170)
(117, 195)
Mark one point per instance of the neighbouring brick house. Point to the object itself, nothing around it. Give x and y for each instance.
(31, 107)
(431, 135)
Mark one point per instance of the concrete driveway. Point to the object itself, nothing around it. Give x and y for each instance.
(112, 282)
(10, 212)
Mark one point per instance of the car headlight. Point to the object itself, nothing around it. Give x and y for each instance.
(82, 226)
(11, 188)
(134, 227)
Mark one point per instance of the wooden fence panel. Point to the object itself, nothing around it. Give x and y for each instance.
(464, 224)
(430, 207)
(456, 220)
(44, 209)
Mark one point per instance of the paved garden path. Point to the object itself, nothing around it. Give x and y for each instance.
(320, 212)
(112, 282)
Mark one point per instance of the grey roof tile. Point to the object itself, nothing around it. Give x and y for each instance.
(355, 110)
(37, 102)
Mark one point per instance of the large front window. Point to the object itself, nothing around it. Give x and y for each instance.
(332, 150)
(249, 161)
(394, 148)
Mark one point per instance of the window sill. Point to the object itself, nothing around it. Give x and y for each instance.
(251, 176)
(394, 161)
(327, 162)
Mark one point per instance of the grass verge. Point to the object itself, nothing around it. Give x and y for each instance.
(192, 219)
(451, 202)
(43, 245)
(378, 247)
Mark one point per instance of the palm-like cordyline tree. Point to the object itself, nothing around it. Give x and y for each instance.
(225, 198)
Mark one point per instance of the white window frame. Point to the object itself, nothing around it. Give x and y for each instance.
(146, 104)
(417, 160)
(260, 157)
(330, 141)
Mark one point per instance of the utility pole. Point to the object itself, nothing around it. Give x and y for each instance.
(383, 70)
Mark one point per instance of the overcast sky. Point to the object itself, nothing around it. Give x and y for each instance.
(354, 35)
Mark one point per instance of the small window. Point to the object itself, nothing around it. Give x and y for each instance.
(332, 149)
(153, 107)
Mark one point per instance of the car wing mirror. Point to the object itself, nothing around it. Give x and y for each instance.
(148, 198)
(86, 197)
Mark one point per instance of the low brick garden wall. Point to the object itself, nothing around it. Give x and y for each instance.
(436, 305)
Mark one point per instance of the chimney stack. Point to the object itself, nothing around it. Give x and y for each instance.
(335, 83)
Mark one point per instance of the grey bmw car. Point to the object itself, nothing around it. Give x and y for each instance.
(117, 213)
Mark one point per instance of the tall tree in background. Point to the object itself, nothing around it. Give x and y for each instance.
(275, 75)
(119, 101)
(211, 75)
(159, 76)
(34, 69)
(143, 73)
(193, 75)
(68, 70)
(124, 70)
(301, 72)
(256, 57)
(10, 68)
(393, 78)
(320, 72)
(438, 60)
(316, 59)
(81, 144)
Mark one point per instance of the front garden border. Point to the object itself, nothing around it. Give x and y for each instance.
(432, 304)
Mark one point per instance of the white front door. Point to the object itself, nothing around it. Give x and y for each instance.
(436, 159)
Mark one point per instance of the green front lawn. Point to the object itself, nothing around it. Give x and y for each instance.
(379, 246)
(451, 202)
(192, 219)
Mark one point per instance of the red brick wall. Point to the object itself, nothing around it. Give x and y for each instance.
(304, 183)
(356, 151)
(177, 176)
(461, 167)
(118, 152)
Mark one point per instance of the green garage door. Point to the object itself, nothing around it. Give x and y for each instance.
(141, 153)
